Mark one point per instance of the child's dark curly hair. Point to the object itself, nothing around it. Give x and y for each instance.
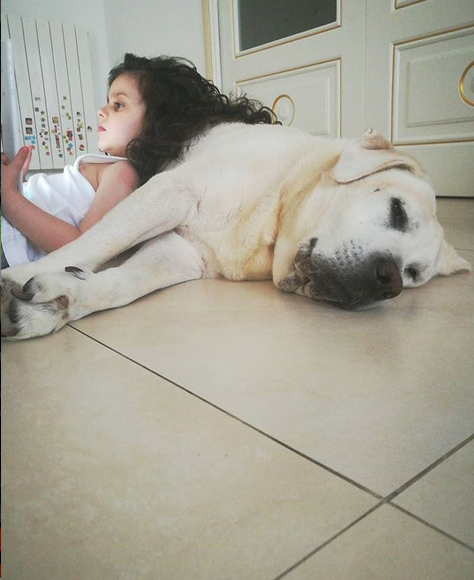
(180, 105)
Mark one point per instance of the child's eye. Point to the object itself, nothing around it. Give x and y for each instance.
(118, 105)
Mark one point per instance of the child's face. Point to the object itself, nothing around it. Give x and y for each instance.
(120, 120)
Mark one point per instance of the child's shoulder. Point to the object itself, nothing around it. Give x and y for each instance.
(96, 173)
(119, 170)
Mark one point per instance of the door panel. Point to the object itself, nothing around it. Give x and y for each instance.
(403, 67)
(318, 85)
(303, 74)
(416, 53)
(426, 101)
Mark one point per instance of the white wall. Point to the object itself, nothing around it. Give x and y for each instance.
(153, 27)
(143, 27)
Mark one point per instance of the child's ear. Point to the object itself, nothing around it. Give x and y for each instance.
(449, 261)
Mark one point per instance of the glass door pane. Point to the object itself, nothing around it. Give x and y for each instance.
(262, 21)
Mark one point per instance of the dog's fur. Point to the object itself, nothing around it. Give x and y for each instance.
(346, 222)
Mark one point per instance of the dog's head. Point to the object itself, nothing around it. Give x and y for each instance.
(376, 231)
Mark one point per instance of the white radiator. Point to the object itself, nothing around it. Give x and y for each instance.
(55, 91)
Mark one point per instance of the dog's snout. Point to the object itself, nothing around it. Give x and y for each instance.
(388, 279)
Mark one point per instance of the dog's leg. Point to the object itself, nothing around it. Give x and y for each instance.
(161, 205)
(49, 301)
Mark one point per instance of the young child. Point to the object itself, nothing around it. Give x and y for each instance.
(155, 109)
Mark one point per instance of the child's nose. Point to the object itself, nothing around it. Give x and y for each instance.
(101, 113)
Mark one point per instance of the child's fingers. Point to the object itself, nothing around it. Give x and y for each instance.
(20, 158)
(27, 162)
(11, 172)
(5, 159)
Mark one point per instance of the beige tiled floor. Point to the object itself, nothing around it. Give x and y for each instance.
(218, 431)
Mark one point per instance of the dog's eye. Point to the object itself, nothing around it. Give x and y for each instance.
(398, 217)
(412, 273)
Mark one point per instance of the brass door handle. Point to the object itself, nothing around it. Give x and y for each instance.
(288, 101)
(462, 92)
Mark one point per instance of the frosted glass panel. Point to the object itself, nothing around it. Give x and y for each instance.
(262, 21)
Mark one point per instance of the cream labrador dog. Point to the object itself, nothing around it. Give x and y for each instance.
(346, 222)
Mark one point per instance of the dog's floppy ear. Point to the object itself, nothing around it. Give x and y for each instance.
(449, 261)
(367, 155)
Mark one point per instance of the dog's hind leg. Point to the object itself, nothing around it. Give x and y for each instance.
(48, 301)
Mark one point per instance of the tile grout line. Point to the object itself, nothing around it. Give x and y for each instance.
(383, 500)
(330, 540)
(236, 418)
(433, 527)
(430, 467)
(363, 516)
(386, 501)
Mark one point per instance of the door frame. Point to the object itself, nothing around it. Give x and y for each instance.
(210, 15)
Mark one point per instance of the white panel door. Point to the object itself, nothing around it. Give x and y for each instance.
(403, 67)
(420, 85)
(311, 75)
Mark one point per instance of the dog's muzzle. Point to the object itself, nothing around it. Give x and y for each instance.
(353, 283)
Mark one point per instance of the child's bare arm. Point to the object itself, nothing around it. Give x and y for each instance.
(46, 231)
(49, 232)
(117, 181)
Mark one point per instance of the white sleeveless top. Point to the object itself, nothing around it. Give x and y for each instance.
(67, 196)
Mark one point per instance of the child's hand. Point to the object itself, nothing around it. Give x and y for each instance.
(11, 169)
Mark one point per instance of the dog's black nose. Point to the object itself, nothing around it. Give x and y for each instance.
(388, 280)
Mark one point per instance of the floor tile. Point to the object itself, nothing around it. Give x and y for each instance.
(457, 218)
(444, 497)
(110, 472)
(376, 395)
(388, 545)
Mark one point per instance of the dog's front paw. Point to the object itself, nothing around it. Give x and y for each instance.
(7, 287)
(41, 306)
